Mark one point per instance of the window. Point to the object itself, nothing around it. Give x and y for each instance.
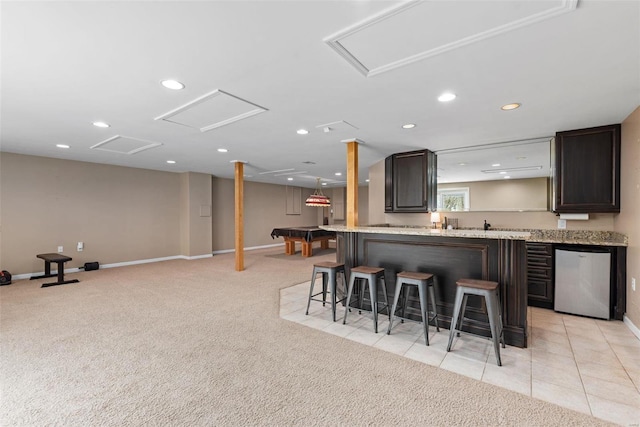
(453, 199)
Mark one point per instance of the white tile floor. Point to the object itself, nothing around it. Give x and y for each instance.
(591, 366)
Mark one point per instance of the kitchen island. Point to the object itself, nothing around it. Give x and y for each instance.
(450, 255)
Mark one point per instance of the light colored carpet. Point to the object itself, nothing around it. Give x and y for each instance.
(196, 343)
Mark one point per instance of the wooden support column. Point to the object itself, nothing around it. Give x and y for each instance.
(239, 214)
(352, 181)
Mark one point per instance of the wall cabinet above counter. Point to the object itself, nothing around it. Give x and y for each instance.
(410, 182)
(587, 170)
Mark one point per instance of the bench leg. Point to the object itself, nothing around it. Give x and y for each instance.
(61, 280)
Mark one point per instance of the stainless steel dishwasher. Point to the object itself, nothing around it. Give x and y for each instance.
(583, 280)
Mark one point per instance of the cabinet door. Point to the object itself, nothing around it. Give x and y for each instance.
(587, 170)
(337, 204)
(414, 181)
(293, 200)
(540, 284)
(388, 184)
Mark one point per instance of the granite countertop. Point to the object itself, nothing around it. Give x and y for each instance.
(575, 237)
(579, 237)
(423, 231)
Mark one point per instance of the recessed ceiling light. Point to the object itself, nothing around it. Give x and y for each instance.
(521, 157)
(506, 177)
(495, 165)
(366, 180)
(101, 124)
(62, 146)
(171, 161)
(508, 107)
(302, 131)
(462, 164)
(172, 84)
(222, 150)
(446, 97)
(324, 183)
(338, 173)
(289, 179)
(502, 172)
(409, 126)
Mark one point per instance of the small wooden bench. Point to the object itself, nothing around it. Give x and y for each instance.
(59, 259)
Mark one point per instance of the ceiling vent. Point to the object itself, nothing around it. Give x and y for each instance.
(213, 110)
(416, 30)
(338, 126)
(125, 145)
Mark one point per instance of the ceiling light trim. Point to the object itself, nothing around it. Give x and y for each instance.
(206, 97)
(147, 145)
(334, 40)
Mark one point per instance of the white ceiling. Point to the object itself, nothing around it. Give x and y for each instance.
(283, 65)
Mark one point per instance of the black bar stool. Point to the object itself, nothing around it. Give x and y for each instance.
(488, 290)
(371, 276)
(425, 282)
(329, 271)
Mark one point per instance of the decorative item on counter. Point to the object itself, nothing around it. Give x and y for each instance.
(452, 223)
(435, 219)
(486, 225)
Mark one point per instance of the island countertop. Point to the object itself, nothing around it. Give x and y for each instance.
(572, 237)
(435, 232)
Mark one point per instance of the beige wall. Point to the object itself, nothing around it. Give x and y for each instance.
(195, 214)
(121, 214)
(363, 205)
(627, 221)
(376, 195)
(506, 194)
(264, 210)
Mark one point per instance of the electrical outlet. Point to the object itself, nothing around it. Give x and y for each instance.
(80, 246)
(562, 224)
(60, 249)
(633, 284)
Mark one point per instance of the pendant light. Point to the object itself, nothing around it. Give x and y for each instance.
(317, 198)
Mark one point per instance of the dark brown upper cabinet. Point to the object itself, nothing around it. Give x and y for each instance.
(587, 170)
(411, 182)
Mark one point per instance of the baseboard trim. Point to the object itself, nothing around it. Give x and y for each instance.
(250, 248)
(117, 264)
(633, 328)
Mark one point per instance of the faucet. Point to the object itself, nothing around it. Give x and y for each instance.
(486, 225)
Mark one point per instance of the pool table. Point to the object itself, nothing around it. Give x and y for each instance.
(306, 235)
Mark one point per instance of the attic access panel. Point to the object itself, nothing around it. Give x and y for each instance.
(211, 111)
(416, 30)
(124, 145)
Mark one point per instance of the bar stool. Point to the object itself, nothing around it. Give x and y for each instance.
(329, 271)
(371, 275)
(488, 290)
(425, 282)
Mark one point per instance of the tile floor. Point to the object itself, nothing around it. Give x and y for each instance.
(589, 365)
